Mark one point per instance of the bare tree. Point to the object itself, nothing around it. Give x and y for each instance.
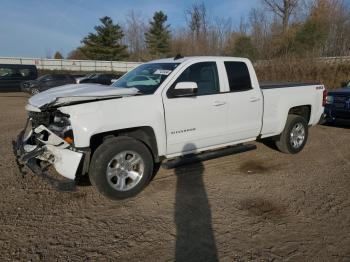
(283, 9)
(334, 16)
(259, 28)
(76, 54)
(197, 18)
(48, 53)
(134, 34)
(197, 21)
(243, 26)
(222, 30)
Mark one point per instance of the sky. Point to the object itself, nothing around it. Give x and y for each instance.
(39, 28)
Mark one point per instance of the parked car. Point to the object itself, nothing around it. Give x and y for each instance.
(46, 82)
(119, 134)
(11, 76)
(338, 104)
(103, 79)
(78, 79)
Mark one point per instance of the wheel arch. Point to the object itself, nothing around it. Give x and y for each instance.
(145, 134)
(302, 110)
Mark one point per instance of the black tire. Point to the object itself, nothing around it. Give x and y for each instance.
(284, 141)
(105, 153)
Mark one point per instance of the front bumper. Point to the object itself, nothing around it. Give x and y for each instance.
(41, 145)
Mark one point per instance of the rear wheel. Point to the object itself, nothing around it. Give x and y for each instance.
(294, 136)
(121, 167)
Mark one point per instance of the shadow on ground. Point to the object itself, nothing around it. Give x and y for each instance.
(194, 232)
(270, 143)
(339, 124)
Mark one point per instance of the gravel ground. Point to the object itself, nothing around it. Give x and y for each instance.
(256, 206)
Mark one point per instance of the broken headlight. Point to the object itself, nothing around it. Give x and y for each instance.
(61, 126)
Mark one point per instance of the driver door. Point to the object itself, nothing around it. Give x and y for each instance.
(197, 121)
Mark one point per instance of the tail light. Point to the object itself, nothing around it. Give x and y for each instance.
(324, 100)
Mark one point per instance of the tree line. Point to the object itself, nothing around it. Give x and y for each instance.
(274, 29)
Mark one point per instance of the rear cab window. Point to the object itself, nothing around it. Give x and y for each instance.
(238, 76)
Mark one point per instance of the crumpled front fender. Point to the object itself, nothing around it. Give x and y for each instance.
(50, 148)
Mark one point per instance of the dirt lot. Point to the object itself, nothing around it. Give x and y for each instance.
(260, 205)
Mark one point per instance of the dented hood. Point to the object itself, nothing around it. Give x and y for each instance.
(76, 93)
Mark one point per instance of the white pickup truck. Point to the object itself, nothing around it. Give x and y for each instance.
(163, 109)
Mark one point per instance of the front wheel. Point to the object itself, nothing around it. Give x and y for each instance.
(121, 167)
(294, 136)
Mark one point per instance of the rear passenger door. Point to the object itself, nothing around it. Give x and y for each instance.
(245, 103)
(197, 121)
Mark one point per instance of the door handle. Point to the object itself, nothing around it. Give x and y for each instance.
(219, 103)
(254, 99)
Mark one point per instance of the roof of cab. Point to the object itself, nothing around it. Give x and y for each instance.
(183, 59)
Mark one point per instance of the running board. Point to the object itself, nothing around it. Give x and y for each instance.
(193, 158)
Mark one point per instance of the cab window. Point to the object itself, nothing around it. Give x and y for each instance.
(25, 72)
(238, 76)
(6, 73)
(205, 74)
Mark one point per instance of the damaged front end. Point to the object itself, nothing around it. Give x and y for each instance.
(47, 139)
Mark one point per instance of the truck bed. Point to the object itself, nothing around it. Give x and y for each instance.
(270, 85)
(279, 98)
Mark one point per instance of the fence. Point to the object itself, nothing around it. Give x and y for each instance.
(102, 66)
(72, 65)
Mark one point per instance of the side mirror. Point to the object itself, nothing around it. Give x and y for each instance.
(183, 89)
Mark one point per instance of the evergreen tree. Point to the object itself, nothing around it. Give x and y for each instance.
(311, 36)
(105, 44)
(58, 55)
(158, 36)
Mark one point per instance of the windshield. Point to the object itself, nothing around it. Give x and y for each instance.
(95, 76)
(147, 77)
(44, 77)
